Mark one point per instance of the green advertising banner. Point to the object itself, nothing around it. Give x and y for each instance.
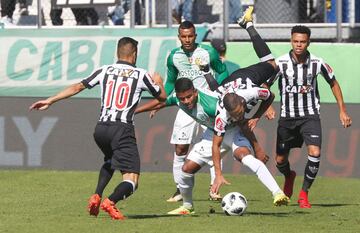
(41, 62)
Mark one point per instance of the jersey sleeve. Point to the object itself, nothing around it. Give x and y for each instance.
(217, 65)
(327, 72)
(93, 79)
(171, 100)
(150, 85)
(260, 93)
(172, 73)
(273, 78)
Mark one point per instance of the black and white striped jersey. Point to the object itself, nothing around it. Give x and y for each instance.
(299, 94)
(121, 85)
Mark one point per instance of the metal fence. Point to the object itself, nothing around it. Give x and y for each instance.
(160, 13)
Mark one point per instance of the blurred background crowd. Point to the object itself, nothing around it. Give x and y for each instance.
(155, 12)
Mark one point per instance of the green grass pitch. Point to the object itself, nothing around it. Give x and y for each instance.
(55, 201)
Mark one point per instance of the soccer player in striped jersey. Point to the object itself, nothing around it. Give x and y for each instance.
(185, 62)
(121, 87)
(300, 106)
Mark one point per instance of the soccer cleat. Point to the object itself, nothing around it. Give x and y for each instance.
(281, 199)
(94, 204)
(303, 200)
(175, 197)
(109, 207)
(246, 17)
(182, 211)
(214, 196)
(289, 184)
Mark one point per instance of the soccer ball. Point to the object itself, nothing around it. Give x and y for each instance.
(234, 204)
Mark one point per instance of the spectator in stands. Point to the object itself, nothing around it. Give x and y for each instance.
(83, 16)
(182, 8)
(7, 10)
(220, 46)
(117, 15)
(23, 7)
(235, 10)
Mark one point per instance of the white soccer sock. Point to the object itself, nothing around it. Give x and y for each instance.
(177, 166)
(262, 173)
(186, 185)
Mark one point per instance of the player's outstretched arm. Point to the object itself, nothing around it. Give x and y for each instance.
(219, 178)
(66, 93)
(265, 104)
(150, 106)
(345, 119)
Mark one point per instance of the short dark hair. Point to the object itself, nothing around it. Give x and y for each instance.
(301, 29)
(232, 100)
(126, 46)
(186, 25)
(183, 84)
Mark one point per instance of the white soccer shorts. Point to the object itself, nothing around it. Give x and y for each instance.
(185, 129)
(201, 153)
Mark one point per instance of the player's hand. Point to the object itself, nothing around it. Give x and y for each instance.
(203, 65)
(152, 113)
(40, 105)
(219, 180)
(262, 157)
(252, 123)
(270, 113)
(345, 119)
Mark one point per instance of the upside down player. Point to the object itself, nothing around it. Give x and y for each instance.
(121, 87)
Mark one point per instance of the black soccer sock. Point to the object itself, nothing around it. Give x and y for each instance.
(105, 174)
(311, 170)
(284, 168)
(122, 191)
(261, 48)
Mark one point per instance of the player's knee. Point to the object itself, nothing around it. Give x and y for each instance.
(280, 159)
(241, 152)
(190, 167)
(314, 151)
(181, 149)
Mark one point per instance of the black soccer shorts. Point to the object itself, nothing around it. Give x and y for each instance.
(118, 143)
(292, 133)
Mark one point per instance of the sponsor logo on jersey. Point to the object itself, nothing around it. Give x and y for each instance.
(190, 73)
(119, 72)
(302, 89)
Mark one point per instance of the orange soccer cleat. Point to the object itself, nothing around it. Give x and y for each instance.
(110, 207)
(94, 204)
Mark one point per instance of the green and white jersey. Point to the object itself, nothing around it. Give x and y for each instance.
(204, 112)
(182, 64)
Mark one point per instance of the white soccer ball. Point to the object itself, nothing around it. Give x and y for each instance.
(234, 204)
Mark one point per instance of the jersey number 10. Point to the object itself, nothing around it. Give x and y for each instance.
(116, 94)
